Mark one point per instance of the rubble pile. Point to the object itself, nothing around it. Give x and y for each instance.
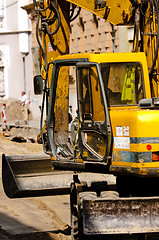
(17, 128)
(24, 134)
(14, 111)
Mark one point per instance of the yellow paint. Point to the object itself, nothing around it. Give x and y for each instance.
(116, 57)
(122, 9)
(142, 123)
(138, 147)
(143, 147)
(85, 154)
(141, 169)
(137, 165)
(79, 159)
(61, 41)
(97, 105)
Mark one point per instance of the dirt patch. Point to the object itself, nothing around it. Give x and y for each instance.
(24, 134)
(43, 206)
(61, 231)
(15, 148)
(56, 235)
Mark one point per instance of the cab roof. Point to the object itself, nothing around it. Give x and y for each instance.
(107, 57)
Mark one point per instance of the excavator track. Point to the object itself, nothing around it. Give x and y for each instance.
(120, 216)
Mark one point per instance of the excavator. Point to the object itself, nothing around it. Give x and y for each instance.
(115, 129)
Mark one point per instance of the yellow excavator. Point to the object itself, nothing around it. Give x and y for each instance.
(115, 130)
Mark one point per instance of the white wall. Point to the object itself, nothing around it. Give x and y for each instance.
(4, 49)
(15, 45)
(23, 25)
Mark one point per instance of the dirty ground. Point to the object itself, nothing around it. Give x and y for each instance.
(40, 218)
(31, 218)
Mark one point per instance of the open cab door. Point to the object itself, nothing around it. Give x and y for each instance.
(95, 135)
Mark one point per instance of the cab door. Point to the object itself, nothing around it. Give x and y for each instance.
(95, 134)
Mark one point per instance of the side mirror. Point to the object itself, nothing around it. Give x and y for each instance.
(38, 85)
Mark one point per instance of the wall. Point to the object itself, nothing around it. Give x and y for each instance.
(13, 51)
(93, 34)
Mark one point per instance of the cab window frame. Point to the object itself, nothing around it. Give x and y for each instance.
(125, 63)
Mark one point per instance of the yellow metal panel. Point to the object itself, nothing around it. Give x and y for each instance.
(61, 46)
(137, 165)
(141, 169)
(143, 147)
(140, 122)
(120, 11)
(144, 129)
(121, 8)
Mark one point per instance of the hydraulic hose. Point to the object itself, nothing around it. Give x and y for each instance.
(157, 40)
(38, 40)
(153, 6)
(49, 21)
(72, 18)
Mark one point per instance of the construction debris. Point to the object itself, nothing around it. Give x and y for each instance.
(13, 123)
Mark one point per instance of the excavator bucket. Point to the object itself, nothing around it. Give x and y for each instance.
(120, 216)
(33, 175)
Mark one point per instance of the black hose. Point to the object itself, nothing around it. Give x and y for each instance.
(157, 40)
(35, 4)
(38, 10)
(76, 15)
(45, 22)
(49, 21)
(153, 3)
(72, 11)
(37, 37)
